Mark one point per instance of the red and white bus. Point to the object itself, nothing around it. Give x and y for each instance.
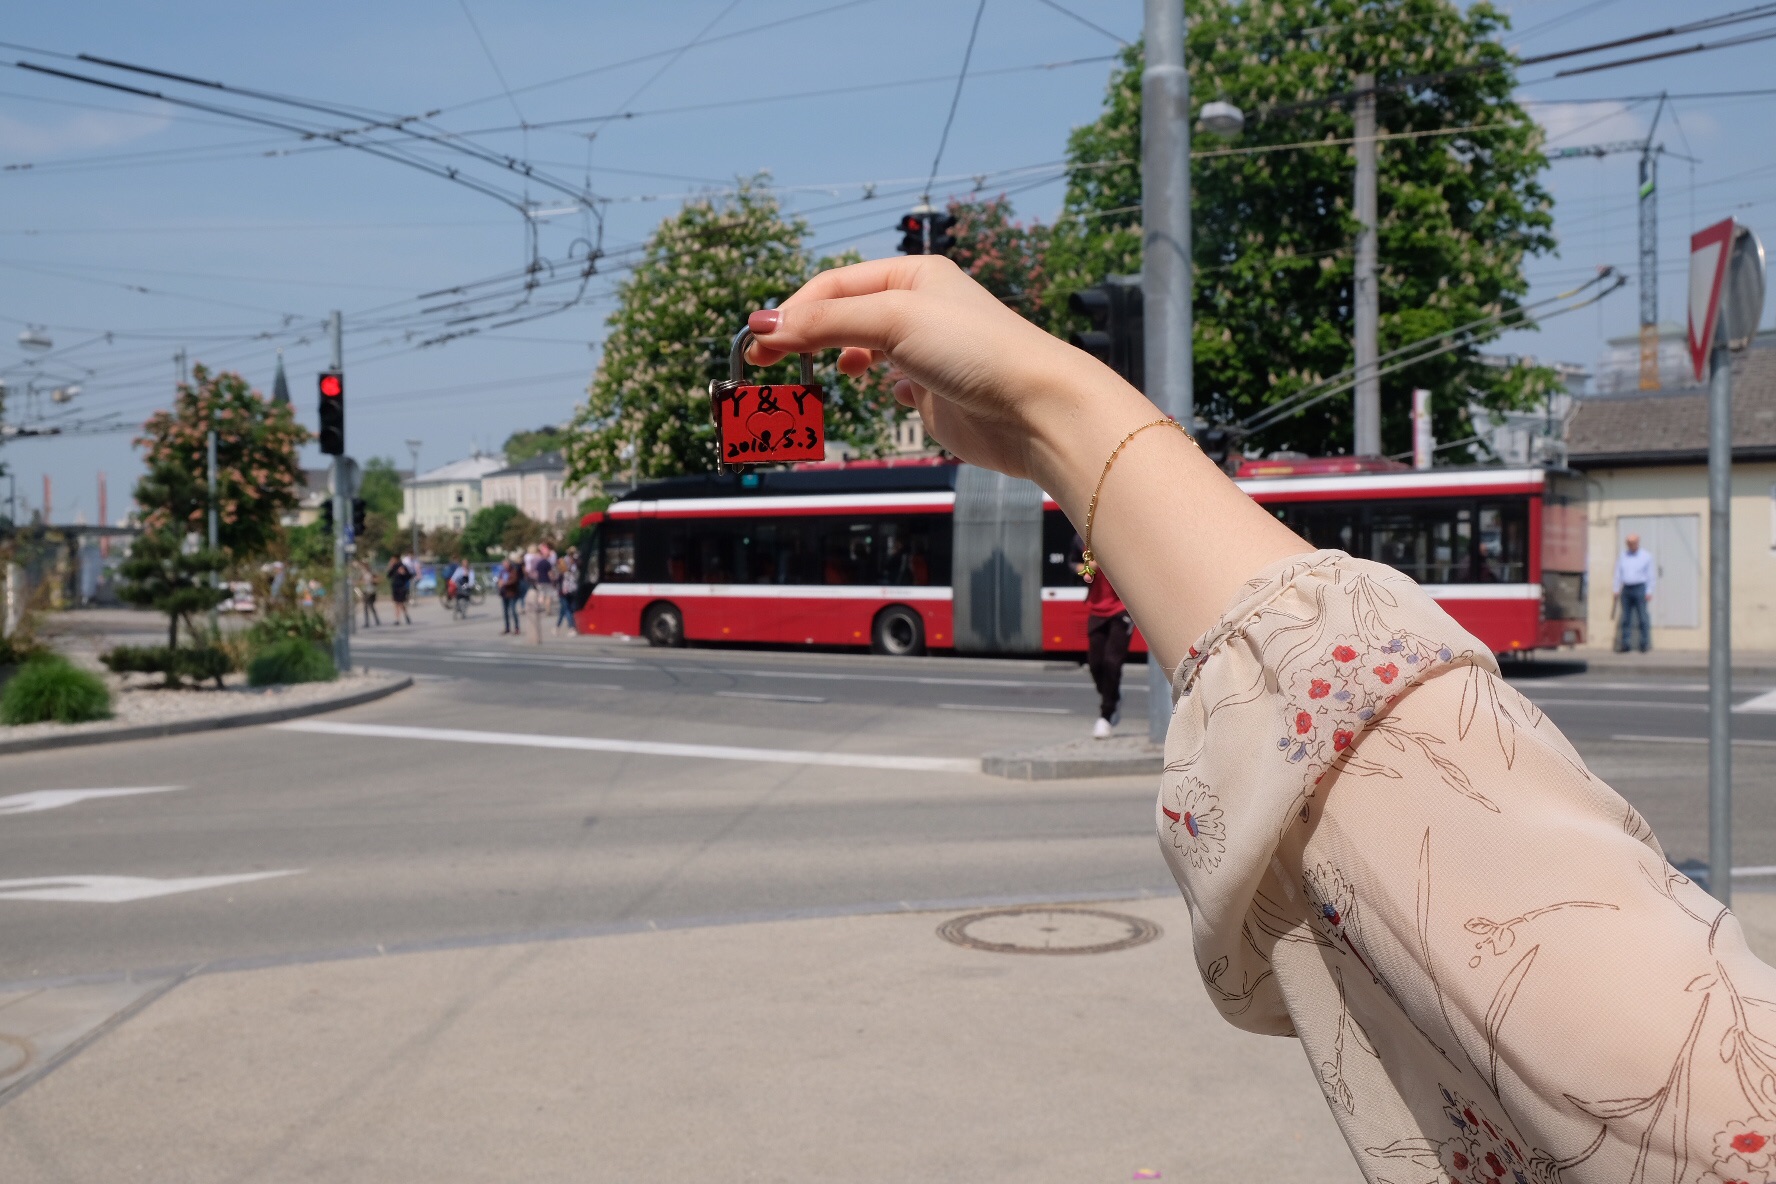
(905, 557)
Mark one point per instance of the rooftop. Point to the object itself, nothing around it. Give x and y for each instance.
(1667, 427)
(470, 468)
(542, 462)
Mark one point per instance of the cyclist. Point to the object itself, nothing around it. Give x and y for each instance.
(459, 584)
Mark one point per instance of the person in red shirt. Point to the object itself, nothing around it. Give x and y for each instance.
(1107, 630)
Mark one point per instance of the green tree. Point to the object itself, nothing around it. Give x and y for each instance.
(485, 535)
(163, 572)
(522, 445)
(256, 465)
(380, 486)
(703, 271)
(1272, 231)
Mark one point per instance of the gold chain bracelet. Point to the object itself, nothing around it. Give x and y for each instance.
(1089, 564)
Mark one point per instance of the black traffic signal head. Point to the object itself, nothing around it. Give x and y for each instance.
(912, 234)
(1114, 310)
(941, 238)
(359, 509)
(332, 413)
(327, 517)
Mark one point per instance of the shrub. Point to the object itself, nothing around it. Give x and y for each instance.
(290, 660)
(279, 624)
(186, 661)
(50, 688)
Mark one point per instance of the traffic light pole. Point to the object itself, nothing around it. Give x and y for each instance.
(1165, 250)
(1720, 618)
(342, 508)
(1365, 297)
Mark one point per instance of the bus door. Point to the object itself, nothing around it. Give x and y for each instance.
(997, 563)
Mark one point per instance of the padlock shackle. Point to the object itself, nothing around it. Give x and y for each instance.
(737, 360)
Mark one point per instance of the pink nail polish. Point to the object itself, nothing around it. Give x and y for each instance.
(764, 321)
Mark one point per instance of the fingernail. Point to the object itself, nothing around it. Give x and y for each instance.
(764, 321)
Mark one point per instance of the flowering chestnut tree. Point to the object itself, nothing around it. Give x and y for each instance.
(701, 273)
(257, 472)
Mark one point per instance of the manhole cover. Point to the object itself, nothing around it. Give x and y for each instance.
(1046, 930)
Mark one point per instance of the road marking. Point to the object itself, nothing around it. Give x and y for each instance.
(921, 680)
(1764, 703)
(120, 889)
(50, 799)
(772, 698)
(1662, 706)
(1019, 710)
(1755, 871)
(716, 752)
(1692, 740)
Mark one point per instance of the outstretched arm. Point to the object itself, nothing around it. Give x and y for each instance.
(1176, 537)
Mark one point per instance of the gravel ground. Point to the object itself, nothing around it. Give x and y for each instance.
(133, 703)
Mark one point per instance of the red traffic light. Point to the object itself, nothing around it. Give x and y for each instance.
(332, 385)
(913, 224)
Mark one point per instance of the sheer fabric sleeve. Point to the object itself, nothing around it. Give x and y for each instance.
(1391, 854)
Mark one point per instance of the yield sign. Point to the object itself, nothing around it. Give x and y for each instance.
(1709, 251)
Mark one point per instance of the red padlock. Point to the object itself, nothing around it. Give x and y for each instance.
(767, 424)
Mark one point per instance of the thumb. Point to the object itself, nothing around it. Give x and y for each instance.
(876, 321)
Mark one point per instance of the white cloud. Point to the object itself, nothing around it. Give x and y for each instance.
(77, 133)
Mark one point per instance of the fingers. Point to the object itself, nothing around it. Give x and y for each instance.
(876, 321)
(860, 279)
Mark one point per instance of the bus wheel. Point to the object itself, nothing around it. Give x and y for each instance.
(664, 625)
(898, 631)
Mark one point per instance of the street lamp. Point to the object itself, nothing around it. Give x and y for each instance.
(1223, 119)
(413, 484)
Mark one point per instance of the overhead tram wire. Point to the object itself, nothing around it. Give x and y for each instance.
(1067, 12)
(955, 99)
(1451, 339)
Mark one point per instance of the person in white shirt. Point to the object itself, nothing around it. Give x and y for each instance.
(1636, 575)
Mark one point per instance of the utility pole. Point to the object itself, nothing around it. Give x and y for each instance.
(1720, 618)
(1365, 299)
(1165, 255)
(413, 483)
(1649, 257)
(342, 517)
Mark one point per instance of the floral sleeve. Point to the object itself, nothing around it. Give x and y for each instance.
(1391, 854)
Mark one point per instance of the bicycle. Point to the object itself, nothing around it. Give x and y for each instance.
(458, 603)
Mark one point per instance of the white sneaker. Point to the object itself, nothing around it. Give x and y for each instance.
(1101, 730)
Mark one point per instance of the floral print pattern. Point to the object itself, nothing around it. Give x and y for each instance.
(1503, 984)
(1195, 827)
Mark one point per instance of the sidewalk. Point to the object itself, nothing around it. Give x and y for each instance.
(851, 1049)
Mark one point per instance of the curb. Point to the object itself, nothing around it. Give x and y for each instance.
(1061, 762)
(243, 719)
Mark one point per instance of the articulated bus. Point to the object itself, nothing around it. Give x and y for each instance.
(906, 557)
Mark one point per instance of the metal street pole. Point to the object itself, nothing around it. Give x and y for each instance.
(413, 514)
(215, 622)
(1165, 254)
(1720, 620)
(1365, 299)
(342, 495)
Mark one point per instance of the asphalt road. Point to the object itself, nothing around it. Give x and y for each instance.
(402, 835)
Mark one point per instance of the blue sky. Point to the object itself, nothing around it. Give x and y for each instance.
(237, 231)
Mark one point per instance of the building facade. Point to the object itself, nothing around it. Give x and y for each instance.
(448, 496)
(538, 487)
(1645, 457)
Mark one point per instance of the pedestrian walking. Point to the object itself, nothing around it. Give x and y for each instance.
(400, 578)
(1636, 576)
(567, 583)
(539, 572)
(1108, 627)
(366, 581)
(1388, 853)
(509, 579)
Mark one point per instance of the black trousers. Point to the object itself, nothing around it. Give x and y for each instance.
(1107, 648)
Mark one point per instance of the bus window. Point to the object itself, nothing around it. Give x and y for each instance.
(1057, 547)
(1504, 543)
(617, 553)
(1433, 542)
(1332, 526)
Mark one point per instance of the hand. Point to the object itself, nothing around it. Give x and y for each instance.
(991, 387)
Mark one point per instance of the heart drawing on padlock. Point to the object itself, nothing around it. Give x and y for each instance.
(771, 422)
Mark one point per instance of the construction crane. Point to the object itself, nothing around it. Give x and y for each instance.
(1649, 233)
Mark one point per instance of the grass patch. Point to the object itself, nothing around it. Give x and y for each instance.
(50, 689)
(288, 661)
